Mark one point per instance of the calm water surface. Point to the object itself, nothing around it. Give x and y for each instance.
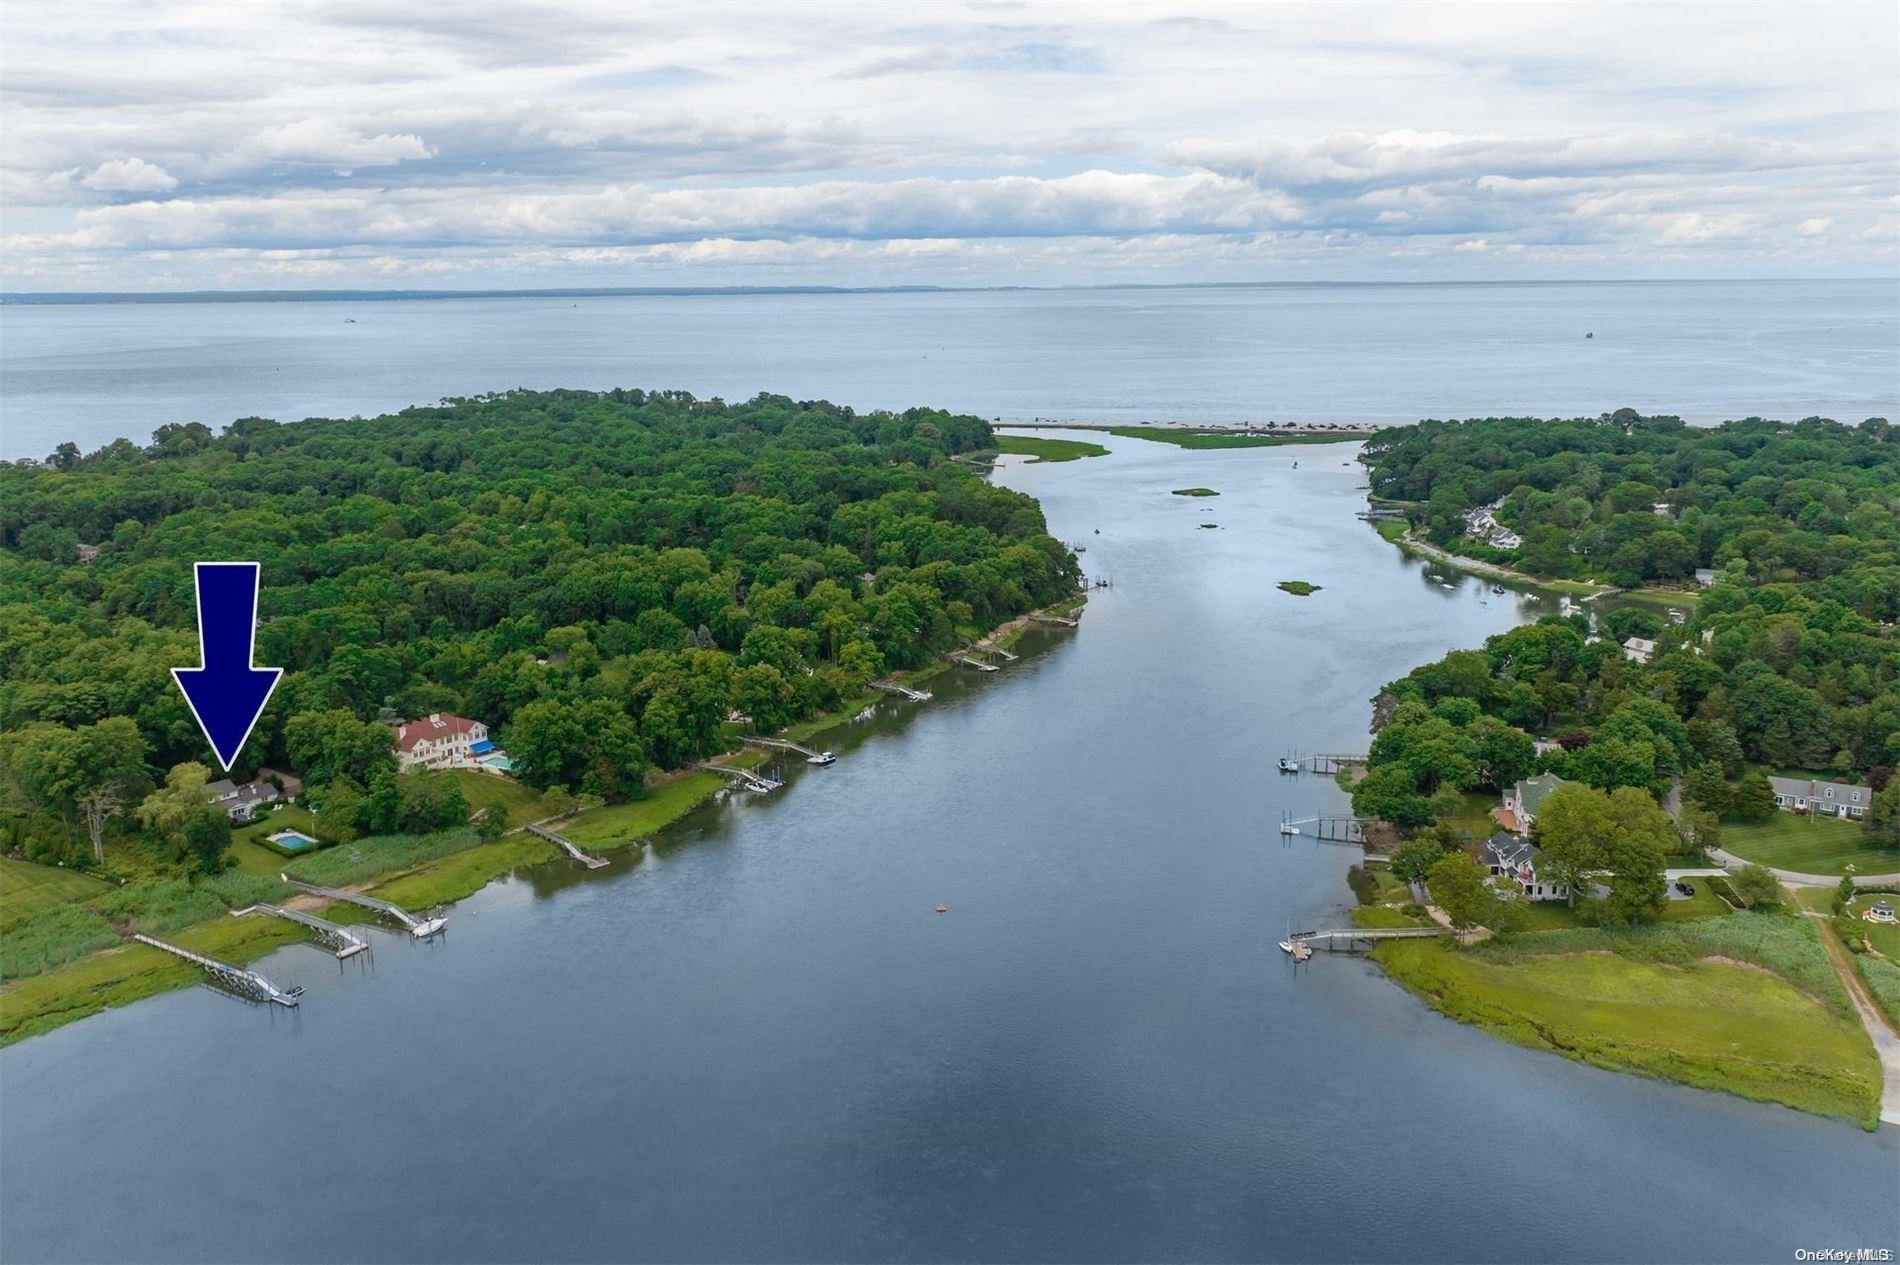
(1705, 351)
(763, 1044)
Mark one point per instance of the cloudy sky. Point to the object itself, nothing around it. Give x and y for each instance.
(473, 144)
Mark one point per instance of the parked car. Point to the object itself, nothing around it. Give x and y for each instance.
(1684, 888)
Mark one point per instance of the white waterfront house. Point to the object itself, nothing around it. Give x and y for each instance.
(1515, 859)
(1638, 649)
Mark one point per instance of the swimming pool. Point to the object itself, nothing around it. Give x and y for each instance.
(497, 761)
(292, 840)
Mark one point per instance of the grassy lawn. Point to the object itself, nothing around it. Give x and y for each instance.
(247, 847)
(1885, 937)
(40, 1003)
(26, 887)
(622, 824)
(1704, 904)
(1039, 448)
(519, 803)
(460, 874)
(1473, 817)
(1809, 845)
(1715, 1026)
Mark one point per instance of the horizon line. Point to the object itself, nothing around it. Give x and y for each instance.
(18, 298)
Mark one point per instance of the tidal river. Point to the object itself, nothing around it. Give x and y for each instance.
(763, 1043)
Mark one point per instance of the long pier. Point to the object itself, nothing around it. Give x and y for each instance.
(1062, 621)
(969, 660)
(1333, 829)
(985, 647)
(246, 983)
(915, 696)
(1361, 939)
(1321, 762)
(743, 778)
(784, 744)
(568, 846)
(420, 928)
(341, 941)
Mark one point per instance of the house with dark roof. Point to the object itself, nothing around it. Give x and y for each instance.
(1823, 799)
(1515, 860)
(241, 802)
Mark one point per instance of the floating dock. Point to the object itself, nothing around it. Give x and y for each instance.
(341, 941)
(915, 696)
(245, 983)
(568, 846)
(421, 928)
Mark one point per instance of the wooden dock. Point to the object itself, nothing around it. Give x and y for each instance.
(249, 984)
(1364, 939)
(969, 660)
(342, 941)
(915, 696)
(745, 779)
(421, 928)
(568, 846)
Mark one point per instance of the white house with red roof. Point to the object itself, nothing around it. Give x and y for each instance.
(441, 742)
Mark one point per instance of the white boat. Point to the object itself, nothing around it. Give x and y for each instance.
(1288, 828)
(823, 757)
(1289, 765)
(1286, 946)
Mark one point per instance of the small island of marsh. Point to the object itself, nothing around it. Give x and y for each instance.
(1039, 448)
(1298, 588)
(1194, 492)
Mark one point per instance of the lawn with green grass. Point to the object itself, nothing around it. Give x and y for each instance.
(618, 825)
(1809, 845)
(1884, 936)
(1702, 1023)
(519, 804)
(1040, 448)
(40, 1003)
(27, 888)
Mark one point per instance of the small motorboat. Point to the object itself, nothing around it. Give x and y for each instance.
(1498, 589)
(823, 757)
(943, 909)
(1286, 946)
(1289, 765)
(1288, 828)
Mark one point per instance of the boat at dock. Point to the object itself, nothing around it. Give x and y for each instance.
(822, 757)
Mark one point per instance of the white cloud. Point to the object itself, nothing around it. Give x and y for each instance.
(328, 143)
(129, 175)
(565, 141)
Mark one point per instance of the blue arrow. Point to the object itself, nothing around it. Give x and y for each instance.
(225, 692)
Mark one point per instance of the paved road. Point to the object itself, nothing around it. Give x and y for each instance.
(1792, 878)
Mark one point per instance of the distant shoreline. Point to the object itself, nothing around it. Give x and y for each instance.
(44, 298)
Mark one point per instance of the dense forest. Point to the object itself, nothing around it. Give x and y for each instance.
(1633, 499)
(599, 577)
(1786, 662)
